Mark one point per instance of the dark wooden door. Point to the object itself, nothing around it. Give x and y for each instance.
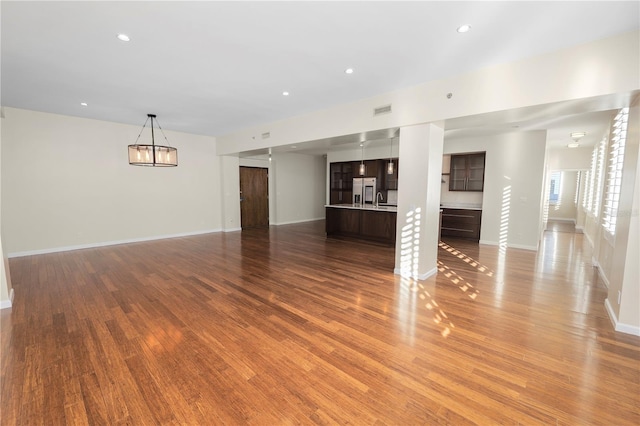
(254, 197)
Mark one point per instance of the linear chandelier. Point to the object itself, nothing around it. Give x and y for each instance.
(152, 155)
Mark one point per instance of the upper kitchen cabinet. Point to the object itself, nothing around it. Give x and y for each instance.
(370, 169)
(390, 180)
(341, 182)
(467, 172)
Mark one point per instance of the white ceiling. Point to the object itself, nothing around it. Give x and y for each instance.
(213, 68)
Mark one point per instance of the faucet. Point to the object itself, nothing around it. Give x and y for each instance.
(379, 196)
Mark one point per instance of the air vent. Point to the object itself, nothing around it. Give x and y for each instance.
(382, 110)
(266, 135)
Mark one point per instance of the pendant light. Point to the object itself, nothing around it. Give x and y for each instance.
(361, 170)
(390, 164)
(152, 155)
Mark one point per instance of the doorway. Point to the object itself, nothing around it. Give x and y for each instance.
(254, 197)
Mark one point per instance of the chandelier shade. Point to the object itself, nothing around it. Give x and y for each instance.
(152, 155)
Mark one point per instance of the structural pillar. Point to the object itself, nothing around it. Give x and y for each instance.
(419, 183)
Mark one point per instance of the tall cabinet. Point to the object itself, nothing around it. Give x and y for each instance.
(341, 182)
(467, 172)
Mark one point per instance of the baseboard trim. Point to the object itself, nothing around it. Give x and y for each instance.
(561, 219)
(601, 274)
(419, 277)
(108, 243)
(515, 246)
(5, 304)
(232, 229)
(618, 326)
(299, 221)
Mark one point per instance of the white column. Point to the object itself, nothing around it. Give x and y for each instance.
(420, 173)
(230, 181)
(6, 292)
(623, 301)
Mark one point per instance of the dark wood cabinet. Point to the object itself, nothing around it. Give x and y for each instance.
(461, 223)
(341, 183)
(377, 225)
(373, 225)
(390, 180)
(342, 174)
(467, 172)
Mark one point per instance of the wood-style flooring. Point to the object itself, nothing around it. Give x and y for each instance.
(283, 326)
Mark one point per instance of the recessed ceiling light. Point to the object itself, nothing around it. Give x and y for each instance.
(83, 103)
(293, 147)
(573, 145)
(285, 93)
(463, 28)
(348, 71)
(577, 135)
(123, 37)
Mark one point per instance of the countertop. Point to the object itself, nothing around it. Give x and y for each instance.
(463, 206)
(364, 207)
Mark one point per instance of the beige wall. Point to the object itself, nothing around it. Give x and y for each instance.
(66, 183)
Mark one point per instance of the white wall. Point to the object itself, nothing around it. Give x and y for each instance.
(455, 198)
(5, 275)
(296, 186)
(513, 184)
(66, 183)
(617, 256)
(565, 208)
(418, 201)
(622, 269)
(572, 159)
(300, 187)
(230, 190)
(569, 158)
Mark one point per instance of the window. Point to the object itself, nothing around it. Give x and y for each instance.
(556, 184)
(614, 170)
(602, 148)
(588, 196)
(594, 179)
(576, 197)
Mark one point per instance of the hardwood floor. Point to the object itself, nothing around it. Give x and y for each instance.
(283, 326)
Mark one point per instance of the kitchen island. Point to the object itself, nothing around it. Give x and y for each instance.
(363, 221)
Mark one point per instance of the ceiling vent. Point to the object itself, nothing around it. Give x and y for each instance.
(382, 110)
(266, 135)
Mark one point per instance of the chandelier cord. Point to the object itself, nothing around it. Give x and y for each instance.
(162, 131)
(142, 130)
